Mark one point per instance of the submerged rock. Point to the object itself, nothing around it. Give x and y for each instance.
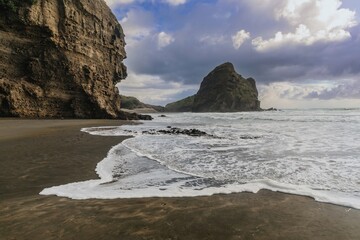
(178, 131)
(271, 109)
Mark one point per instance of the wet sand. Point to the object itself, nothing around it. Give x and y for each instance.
(35, 154)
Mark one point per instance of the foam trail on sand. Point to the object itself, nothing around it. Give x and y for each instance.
(312, 153)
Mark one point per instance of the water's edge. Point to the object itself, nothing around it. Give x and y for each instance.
(103, 188)
(311, 153)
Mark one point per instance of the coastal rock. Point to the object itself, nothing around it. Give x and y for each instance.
(184, 105)
(133, 116)
(222, 90)
(272, 109)
(132, 103)
(178, 131)
(60, 59)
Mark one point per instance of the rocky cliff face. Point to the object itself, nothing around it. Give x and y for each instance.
(183, 105)
(132, 103)
(61, 58)
(222, 90)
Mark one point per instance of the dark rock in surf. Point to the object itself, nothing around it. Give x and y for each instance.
(271, 109)
(178, 131)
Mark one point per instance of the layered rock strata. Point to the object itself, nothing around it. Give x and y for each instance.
(61, 58)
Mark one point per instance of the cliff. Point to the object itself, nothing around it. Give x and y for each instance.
(183, 105)
(222, 90)
(60, 59)
(132, 103)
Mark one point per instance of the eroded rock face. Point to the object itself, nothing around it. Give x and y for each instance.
(61, 58)
(222, 90)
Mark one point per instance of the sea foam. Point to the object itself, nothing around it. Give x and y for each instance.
(312, 153)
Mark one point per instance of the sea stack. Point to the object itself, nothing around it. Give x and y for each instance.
(222, 90)
(60, 59)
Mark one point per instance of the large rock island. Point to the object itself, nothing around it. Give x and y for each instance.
(222, 90)
(60, 59)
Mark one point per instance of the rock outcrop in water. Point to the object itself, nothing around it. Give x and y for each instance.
(60, 59)
(222, 90)
(175, 131)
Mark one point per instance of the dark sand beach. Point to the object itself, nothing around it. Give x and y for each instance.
(35, 154)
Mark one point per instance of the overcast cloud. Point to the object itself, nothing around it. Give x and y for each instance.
(302, 53)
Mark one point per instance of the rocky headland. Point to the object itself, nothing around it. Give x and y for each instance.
(132, 104)
(222, 90)
(60, 59)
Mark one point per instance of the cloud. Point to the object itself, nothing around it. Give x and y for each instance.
(137, 24)
(164, 39)
(212, 40)
(153, 89)
(289, 90)
(200, 37)
(239, 38)
(114, 3)
(314, 21)
(302, 35)
(348, 90)
(175, 2)
(310, 95)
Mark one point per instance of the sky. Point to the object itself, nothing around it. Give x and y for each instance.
(302, 53)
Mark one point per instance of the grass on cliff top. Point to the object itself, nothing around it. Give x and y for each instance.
(181, 105)
(130, 102)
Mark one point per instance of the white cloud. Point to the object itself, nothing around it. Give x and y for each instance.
(239, 38)
(153, 89)
(292, 95)
(295, 95)
(164, 39)
(302, 35)
(348, 89)
(175, 2)
(112, 3)
(137, 25)
(212, 40)
(313, 20)
(140, 25)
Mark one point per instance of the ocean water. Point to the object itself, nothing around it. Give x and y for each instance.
(307, 152)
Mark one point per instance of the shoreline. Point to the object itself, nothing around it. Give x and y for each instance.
(42, 153)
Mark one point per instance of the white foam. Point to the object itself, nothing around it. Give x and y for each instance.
(93, 189)
(311, 153)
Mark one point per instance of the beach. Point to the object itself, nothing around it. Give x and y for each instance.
(37, 154)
